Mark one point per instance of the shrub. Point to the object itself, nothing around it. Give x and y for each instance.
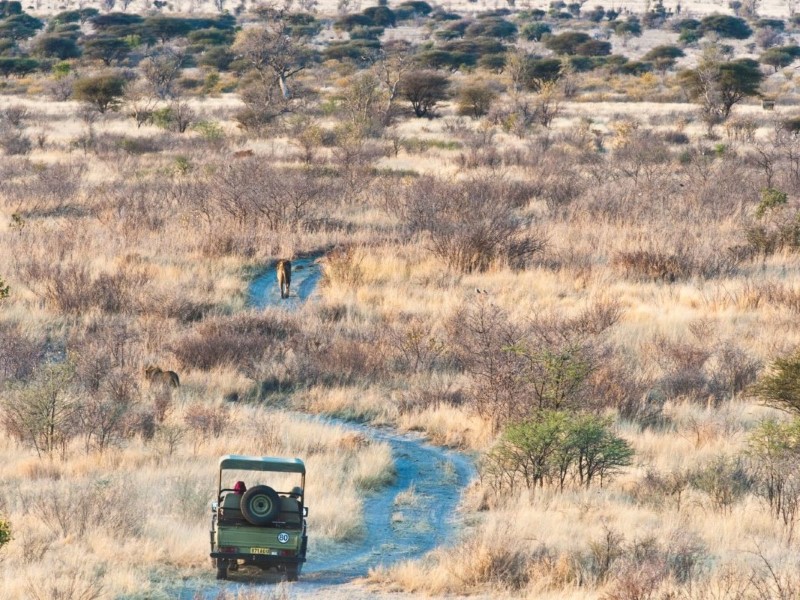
(109, 49)
(475, 99)
(239, 341)
(56, 46)
(535, 31)
(493, 27)
(82, 507)
(103, 91)
(555, 448)
(567, 42)
(593, 48)
(655, 488)
(18, 67)
(630, 27)
(13, 141)
(780, 56)
(5, 532)
(43, 413)
(779, 387)
(724, 479)
(774, 449)
(328, 359)
(727, 26)
(663, 57)
(412, 8)
(471, 224)
(19, 354)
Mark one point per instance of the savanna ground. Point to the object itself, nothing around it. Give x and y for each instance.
(581, 268)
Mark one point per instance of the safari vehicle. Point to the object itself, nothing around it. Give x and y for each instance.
(259, 525)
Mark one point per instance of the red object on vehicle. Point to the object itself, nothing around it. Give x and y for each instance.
(240, 487)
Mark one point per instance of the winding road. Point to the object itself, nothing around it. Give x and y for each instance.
(415, 514)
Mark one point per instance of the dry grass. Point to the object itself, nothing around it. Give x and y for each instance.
(136, 247)
(149, 510)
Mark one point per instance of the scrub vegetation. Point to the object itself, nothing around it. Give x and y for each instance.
(564, 238)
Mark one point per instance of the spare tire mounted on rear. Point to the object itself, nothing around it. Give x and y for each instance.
(260, 505)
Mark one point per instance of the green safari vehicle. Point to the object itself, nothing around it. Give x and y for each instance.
(255, 524)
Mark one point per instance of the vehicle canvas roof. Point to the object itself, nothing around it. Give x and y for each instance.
(262, 463)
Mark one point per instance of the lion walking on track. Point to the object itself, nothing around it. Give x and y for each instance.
(284, 270)
(156, 376)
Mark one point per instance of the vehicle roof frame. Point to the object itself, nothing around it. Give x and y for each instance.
(261, 463)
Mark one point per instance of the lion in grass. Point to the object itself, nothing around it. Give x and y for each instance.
(156, 375)
(284, 270)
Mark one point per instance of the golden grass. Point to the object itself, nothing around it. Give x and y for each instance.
(167, 500)
(389, 281)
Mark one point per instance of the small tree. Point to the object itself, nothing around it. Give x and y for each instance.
(663, 57)
(5, 292)
(424, 90)
(161, 69)
(103, 91)
(106, 48)
(567, 42)
(777, 58)
(555, 448)
(598, 452)
(774, 450)
(56, 46)
(536, 31)
(727, 26)
(43, 414)
(718, 85)
(724, 479)
(18, 67)
(273, 51)
(780, 386)
(475, 99)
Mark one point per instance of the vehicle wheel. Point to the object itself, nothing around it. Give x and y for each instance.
(222, 569)
(292, 573)
(260, 505)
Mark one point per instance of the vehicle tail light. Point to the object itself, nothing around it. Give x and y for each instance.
(285, 552)
(228, 549)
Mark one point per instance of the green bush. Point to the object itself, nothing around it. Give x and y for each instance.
(56, 46)
(780, 386)
(18, 67)
(567, 42)
(494, 27)
(535, 31)
(727, 26)
(556, 448)
(5, 532)
(475, 100)
(103, 91)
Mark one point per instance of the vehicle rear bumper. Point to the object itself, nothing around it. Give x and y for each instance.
(266, 560)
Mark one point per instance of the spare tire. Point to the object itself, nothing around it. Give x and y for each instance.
(260, 505)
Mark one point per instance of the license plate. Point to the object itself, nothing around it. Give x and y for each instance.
(260, 551)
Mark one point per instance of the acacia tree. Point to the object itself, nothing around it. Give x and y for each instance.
(424, 90)
(718, 85)
(396, 59)
(103, 91)
(161, 69)
(273, 50)
(106, 48)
